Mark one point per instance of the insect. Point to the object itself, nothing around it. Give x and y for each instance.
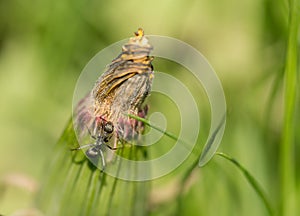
(119, 91)
(96, 149)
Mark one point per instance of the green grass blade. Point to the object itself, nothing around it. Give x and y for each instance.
(253, 182)
(145, 121)
(287, 160)
(73, 186)
(206, 149)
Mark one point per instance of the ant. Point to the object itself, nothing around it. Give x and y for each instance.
(96, 149)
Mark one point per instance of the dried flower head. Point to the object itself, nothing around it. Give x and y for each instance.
(119, 91)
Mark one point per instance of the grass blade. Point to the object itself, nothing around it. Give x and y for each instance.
(253, 182)
(73, 186)
(287, 161)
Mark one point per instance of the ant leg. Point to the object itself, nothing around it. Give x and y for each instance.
(102, 160)
(93, 136)
(82, 147)
(112, 148)
(101, 118)
(115, 142)
(115, 145)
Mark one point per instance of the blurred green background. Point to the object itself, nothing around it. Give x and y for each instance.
(44, 45)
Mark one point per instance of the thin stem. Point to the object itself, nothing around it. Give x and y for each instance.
(287, 166)
(253, 182)
(145, 121)
(167, 133)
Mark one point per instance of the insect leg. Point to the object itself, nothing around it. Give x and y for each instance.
(93, 136)
(82, 147)
(113, 148)
(102, 160)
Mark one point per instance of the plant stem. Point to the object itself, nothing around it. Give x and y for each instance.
(253, 182)
(287, 166)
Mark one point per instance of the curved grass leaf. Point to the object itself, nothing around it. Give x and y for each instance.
(287, 162)
(73, 186)
(211, 146)
(206, 149)
(253, 182)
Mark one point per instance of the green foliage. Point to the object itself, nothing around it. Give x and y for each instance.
(287, 157)
(253, 182)
(253, 46)
(74, 186)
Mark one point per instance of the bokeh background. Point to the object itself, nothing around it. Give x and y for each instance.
(44, 45)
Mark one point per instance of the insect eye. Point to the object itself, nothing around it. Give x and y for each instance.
(108, 127)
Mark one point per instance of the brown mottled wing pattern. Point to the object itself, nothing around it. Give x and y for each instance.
(121, 89)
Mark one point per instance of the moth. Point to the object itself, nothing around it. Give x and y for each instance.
(119, 91)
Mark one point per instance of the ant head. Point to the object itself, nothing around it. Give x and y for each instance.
(108, 127)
